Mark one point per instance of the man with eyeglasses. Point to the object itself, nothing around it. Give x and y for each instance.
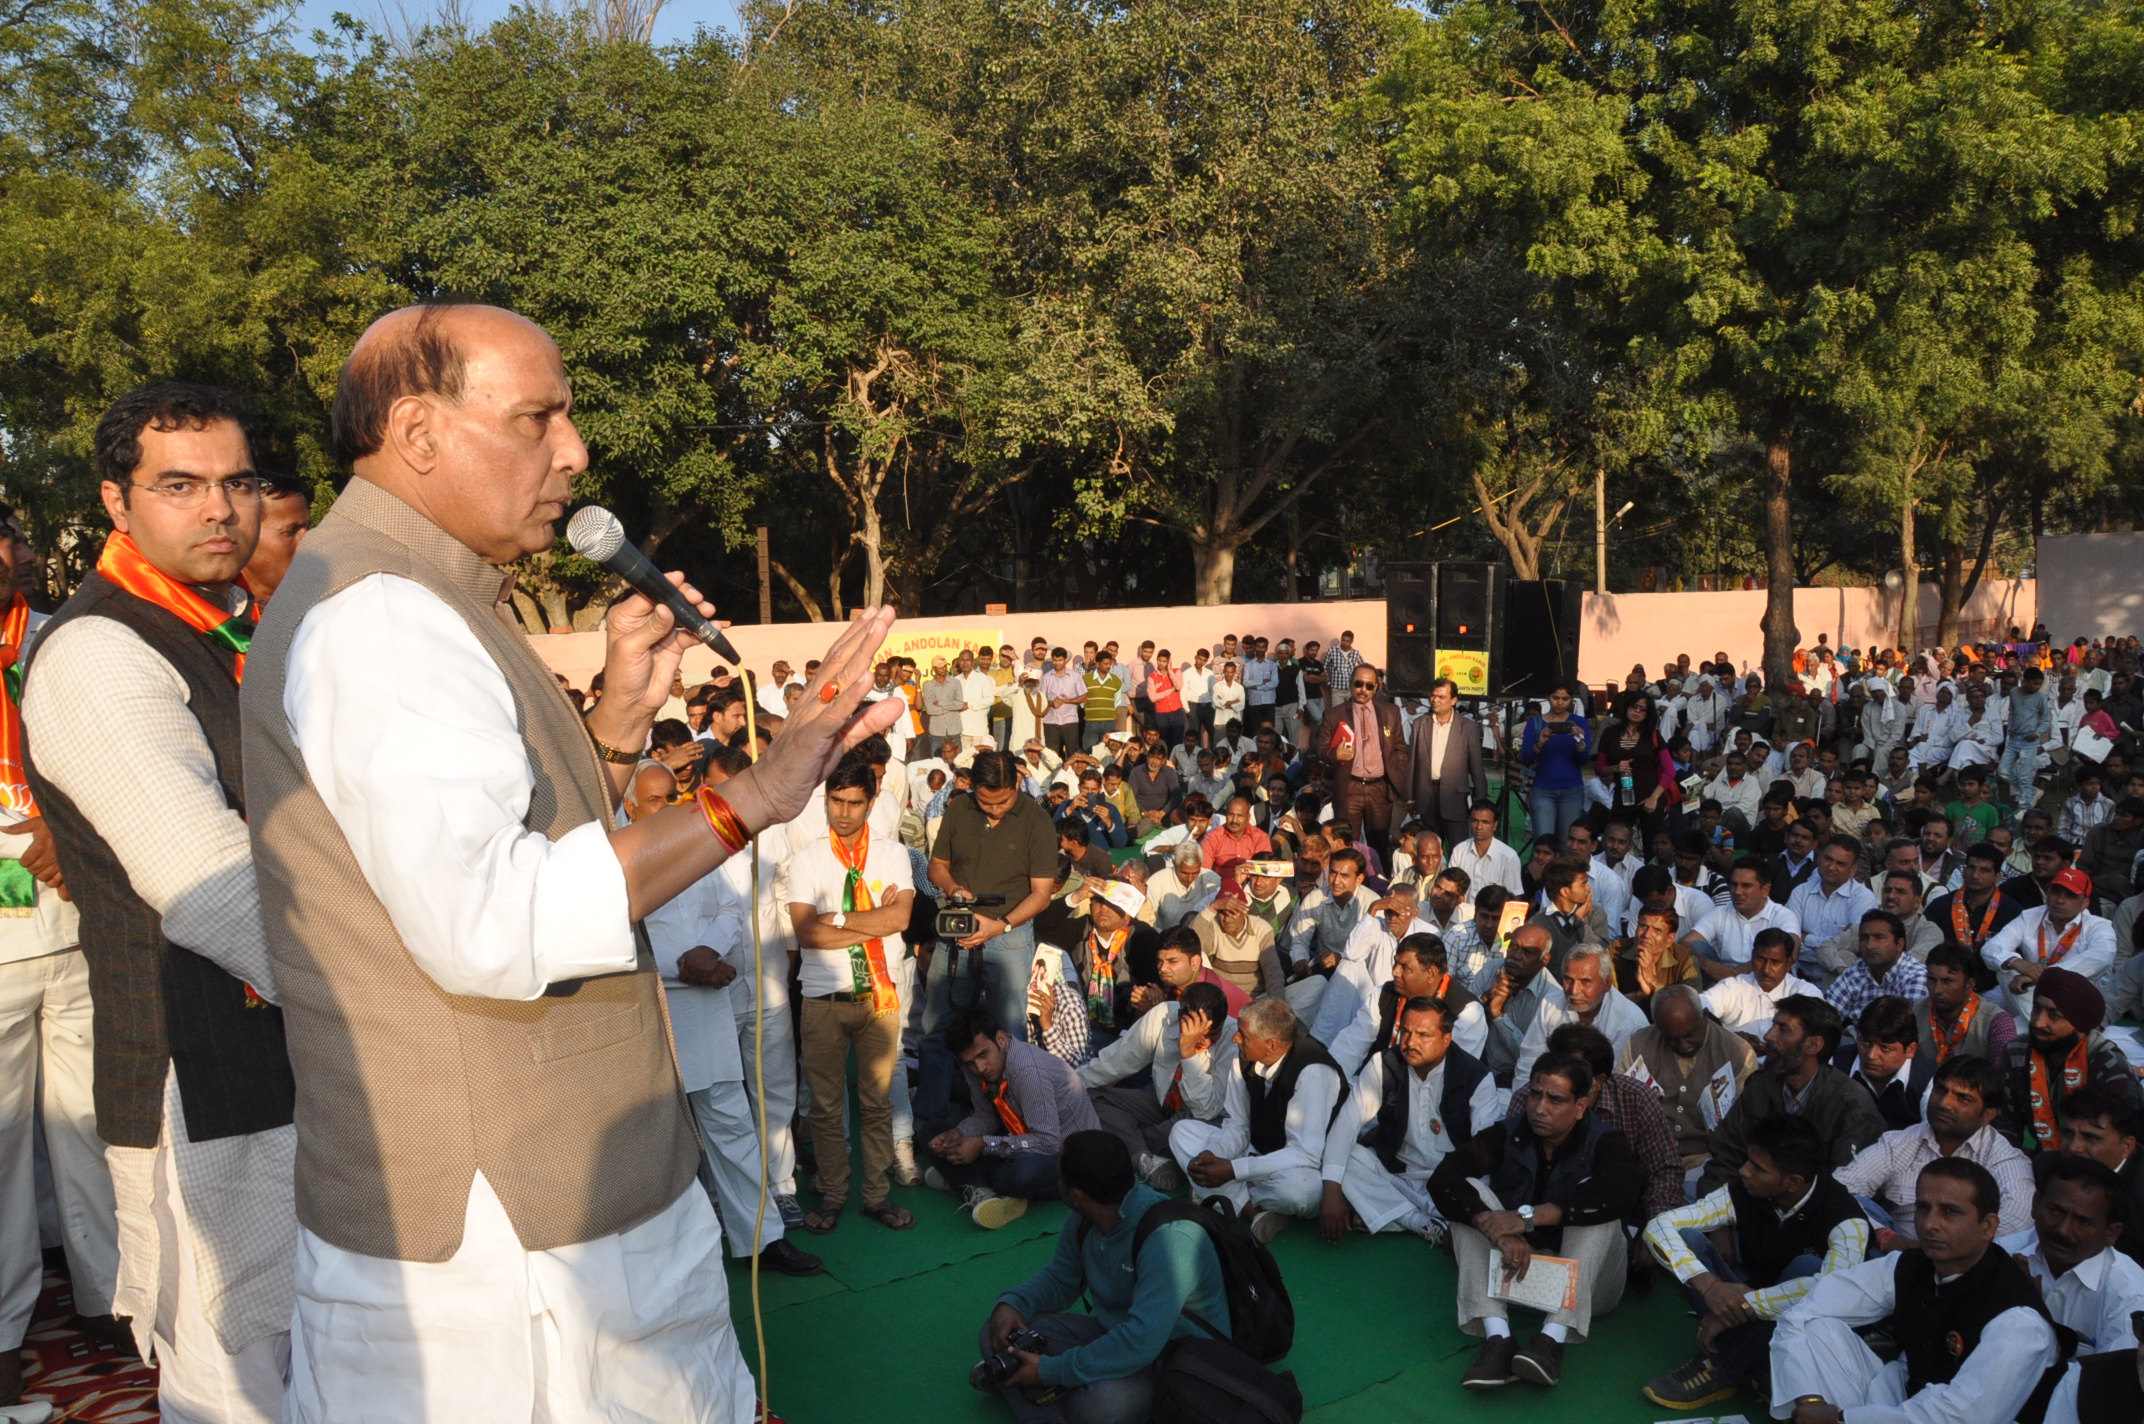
(1364, 747)
(194, 1093)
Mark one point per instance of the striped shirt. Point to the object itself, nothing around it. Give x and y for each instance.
(1847, 1245)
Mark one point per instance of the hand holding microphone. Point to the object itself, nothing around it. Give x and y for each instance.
(596, 535)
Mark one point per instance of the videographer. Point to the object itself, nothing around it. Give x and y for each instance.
(1098, 1369)
(993, 842)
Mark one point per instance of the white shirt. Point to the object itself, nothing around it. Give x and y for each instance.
(1991, 1385)
(1822, 916)
(814, 876)
(1151, 1042)
(777, 933)
(1744, 795)
(50, 924)
(1309, 1115)
(1499, 865)
(1228, 701)
(1731, 935)
(703, 1024)
(1350, 1045)
(1618, 1017)
(1737, 1002)
(2093, 1298)
(2090, 954)
(1428, 1140)
(1196, 686)
(979, 690)
(1609, 890)
(1692, 905)
(409, 734)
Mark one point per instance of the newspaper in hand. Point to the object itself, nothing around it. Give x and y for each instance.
(1550, 1284)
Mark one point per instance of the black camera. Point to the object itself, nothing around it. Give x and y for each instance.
(957, 921)
(1004, 1364)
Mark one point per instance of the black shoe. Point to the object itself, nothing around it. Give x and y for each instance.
(1541, 1362)
(784, 1257)
(1492, 1367)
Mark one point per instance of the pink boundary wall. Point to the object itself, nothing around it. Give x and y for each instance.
(1620, 628)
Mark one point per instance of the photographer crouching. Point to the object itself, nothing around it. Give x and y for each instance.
(1056, 1368)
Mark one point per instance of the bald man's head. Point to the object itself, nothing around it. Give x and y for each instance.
(463, 412)
(650, 790)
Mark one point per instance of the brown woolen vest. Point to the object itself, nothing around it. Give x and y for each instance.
(569, 1104)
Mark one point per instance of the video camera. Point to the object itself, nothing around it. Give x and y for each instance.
(957, 920)
(1004, 1364)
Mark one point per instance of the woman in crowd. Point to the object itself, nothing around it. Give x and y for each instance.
(1556, 745)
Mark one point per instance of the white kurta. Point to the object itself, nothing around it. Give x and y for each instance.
(1381, 1198)
(1815, 1351)
(409, 733)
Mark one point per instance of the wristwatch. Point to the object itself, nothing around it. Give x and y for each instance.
(841, 919)
(616, 756)
(1526, 1214)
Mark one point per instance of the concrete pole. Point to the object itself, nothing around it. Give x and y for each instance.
(766, 579)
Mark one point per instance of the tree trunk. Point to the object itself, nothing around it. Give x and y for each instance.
(873, 547)
(1780, 634)
(1213, 570)
(558, 615)
(1991, 516)
(810, 605)
(1953, 562)
(531, 614)
(1909, 569)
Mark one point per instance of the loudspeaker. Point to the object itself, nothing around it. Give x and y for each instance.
(1540, 643)
(1410, 629)
(1470, 625)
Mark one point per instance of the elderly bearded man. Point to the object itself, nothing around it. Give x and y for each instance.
(498, 1217)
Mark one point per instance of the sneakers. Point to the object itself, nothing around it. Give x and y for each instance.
(1541, 1362)
(1685, 1388)
(990, 1210)
(1162, 1173)
(1492, 1367)
(935, 1180)
(1265, 1225)
(792, 1211)
(904, 1162)
(1431, 1229)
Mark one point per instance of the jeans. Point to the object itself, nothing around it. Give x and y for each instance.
(2021, 762)
(1737, 1353)
(1554, 810)
(1004, 964)
(1031, 1176)
(1001, 729)
(1091, 733)
(1171, 727)
(1118, 1401)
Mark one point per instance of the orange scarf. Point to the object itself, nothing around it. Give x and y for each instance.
(2044, 1133)
(867, 961)
(14, 784)
(1015, 1125)
(1945, 1042)
(2062, 945)
(124, 564)
(1961, 923)
(1102, 976)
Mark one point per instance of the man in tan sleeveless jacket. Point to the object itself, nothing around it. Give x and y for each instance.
(495, 1169)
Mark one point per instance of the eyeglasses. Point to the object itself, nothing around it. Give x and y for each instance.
(1366, 687)
(186, 493)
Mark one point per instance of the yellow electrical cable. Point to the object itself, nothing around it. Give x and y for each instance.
(759, 1061)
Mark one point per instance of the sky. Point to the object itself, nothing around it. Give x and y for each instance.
(676, 22)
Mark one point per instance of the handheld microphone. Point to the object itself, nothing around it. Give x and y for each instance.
(596, 535)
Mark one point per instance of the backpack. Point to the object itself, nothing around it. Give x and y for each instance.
(1223, 1379)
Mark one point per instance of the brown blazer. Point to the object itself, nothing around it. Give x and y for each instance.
(1399, 762)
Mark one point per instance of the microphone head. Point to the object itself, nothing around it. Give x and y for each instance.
(595, 533)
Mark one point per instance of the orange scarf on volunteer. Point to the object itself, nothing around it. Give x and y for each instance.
(1945, 1042)
(1015, 1125)
(2062, 945)
(867, 961)
(2045, 1135)
(125, 565)
(14, 783)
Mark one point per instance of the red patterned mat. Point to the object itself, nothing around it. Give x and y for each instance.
(83, 1379)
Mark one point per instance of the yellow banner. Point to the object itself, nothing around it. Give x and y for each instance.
(925, 646)
(1466, 667)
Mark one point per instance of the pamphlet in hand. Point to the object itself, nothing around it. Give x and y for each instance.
(1551, 1283)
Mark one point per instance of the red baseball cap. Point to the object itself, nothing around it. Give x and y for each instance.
(2073, 880)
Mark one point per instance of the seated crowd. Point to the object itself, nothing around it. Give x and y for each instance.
(1774, 999)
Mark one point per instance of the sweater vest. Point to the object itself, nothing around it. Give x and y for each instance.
(1463, 1073)
(1767, 1245)
(1269, 1098)
(569, 1104)
(157, 1003)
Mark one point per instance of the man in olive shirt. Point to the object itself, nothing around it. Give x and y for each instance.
(994, 841)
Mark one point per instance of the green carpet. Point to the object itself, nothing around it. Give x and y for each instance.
(888, 1334)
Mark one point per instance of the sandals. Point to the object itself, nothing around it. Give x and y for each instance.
(822, 1220)
(892, 1217)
